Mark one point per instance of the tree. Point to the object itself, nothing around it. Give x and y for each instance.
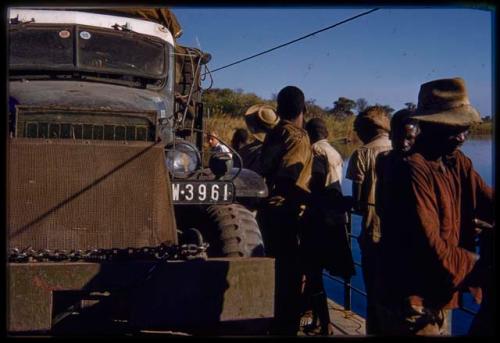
(231, 102)
(388, 109)
(222, 101)
(410, 106)
(361, 104)
(343, 107)
(314, 110)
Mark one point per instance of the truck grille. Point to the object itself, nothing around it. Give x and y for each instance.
(84, 124)
(86, 131)
(70, 194)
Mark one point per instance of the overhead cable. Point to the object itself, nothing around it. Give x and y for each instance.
(296, 40)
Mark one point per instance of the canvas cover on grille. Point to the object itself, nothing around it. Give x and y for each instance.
(65, 194)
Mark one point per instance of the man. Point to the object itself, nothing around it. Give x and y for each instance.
(324, 241)
(239, 139)
(238, 142)
(260, 120)
(436, 211)
(215, 145)
(286, 162)
(372, 127)
(318, 134)
(404, 131)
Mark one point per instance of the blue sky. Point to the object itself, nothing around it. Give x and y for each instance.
(382, 57)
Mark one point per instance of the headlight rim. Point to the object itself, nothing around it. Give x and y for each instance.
(191, 151)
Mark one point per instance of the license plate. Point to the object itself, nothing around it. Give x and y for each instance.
(202, 192)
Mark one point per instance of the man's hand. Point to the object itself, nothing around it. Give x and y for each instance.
(481, 225)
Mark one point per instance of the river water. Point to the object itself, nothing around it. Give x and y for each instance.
(480, 151)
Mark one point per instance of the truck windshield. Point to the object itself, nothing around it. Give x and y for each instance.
(41, 47)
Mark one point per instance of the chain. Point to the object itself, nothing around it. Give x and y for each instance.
(161, 252)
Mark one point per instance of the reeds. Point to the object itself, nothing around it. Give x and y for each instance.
(340, 129)
(483, 129)
(341, 133)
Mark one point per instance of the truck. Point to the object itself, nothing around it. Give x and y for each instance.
(113, 222)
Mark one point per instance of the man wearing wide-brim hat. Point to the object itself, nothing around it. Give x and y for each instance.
(260, 120)
(435, 208)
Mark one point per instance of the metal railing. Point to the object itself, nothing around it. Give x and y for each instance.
(349, 288)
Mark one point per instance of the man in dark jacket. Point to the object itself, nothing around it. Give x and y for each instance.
(286, 162)
(324, 240)
(433, 209)
(390, 181)
(404, 131)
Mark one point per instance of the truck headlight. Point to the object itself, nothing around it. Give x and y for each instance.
(182, 159)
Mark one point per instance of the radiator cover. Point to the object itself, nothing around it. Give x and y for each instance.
(74, 194)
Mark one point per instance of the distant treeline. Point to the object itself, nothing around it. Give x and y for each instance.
(235, 102)
(341, 133)
(227, 108)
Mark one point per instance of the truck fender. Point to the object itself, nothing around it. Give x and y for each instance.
(248, 184)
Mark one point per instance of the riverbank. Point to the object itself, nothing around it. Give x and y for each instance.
(483, 129)
(339, 129)
(342, 135)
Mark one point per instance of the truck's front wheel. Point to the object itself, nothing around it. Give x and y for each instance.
(237, 232)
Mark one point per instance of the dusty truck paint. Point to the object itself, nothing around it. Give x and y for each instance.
(97, 100)
(88, 95)
(170, 298)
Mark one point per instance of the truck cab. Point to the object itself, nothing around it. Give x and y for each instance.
(104, 174)
(118, 77)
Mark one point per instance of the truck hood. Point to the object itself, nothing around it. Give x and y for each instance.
(84, 94)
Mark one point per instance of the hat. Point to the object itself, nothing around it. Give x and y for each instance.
(260, 119)
(445, 102)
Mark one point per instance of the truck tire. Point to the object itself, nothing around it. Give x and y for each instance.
(237, 233)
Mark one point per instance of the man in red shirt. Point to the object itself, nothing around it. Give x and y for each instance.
(434, 204)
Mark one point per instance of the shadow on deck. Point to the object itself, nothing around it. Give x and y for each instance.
(346, 323)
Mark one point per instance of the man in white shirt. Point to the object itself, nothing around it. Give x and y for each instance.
(216, 146)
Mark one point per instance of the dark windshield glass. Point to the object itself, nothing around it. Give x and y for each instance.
(39, 47)
(120, 51)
